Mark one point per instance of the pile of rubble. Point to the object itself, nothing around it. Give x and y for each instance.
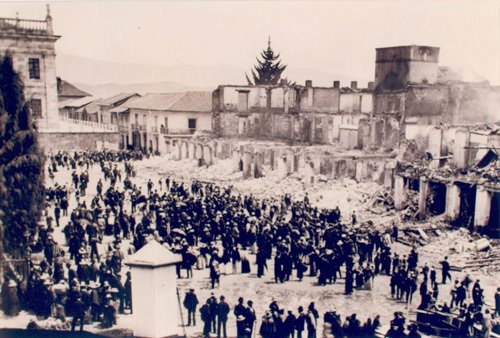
(486, 255)
(415, 235)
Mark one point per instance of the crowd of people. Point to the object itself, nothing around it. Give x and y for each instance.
(276, 322)
(211, 227)
(73, 279)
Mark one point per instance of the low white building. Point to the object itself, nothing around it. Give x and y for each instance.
(155, 118)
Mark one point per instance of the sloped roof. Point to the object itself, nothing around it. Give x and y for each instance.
(119, 109)
(92, 108)
(76, 103)
(187, 101)
(153, 254)
(64, 88)
(117, 98)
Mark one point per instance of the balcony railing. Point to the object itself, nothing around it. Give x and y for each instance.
(92, 124)
(39, 26)
(177, 131)
(161, 130)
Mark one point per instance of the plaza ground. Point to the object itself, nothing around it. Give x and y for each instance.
(348, 195)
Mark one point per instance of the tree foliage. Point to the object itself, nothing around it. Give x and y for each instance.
(268, 70)
(21, 163)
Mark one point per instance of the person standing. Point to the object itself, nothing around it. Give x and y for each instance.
(300, 322)
(222, 312)
(261, 263)
(497, 302)
(445, 270)
(311, 324)
(240, 312)
(57, 214)
(213, 313)
(78, 313)
(239, 309)
(128, 291)
(10, 300)
(250, 318)
(206, 318)
(268, 327)
(190, 303)
(290, 325)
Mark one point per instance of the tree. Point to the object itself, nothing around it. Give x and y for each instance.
(21, 163)
(268, 70)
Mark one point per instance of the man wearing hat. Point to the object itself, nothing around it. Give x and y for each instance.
(128, 291)
(301, 322)
(213, 312)
(78, 313)
(222, 312)
(206, 318)
(190, 303)
(10, 300)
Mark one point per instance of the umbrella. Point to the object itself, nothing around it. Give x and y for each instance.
(179, 231)
(84, 221)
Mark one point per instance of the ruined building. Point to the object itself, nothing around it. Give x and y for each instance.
(411, 95)
(447, 135)
(293, 113)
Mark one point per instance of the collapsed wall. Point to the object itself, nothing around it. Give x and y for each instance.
(459, 179)
(256, 160)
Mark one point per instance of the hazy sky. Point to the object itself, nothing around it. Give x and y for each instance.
(337, 36)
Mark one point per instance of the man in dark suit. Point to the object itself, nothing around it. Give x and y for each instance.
(190, 303)
(222, 312)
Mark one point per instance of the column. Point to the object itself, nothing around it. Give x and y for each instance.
(184, 150)
(435, 142)
(452, 201)
(259, 161)
(207, 154)
(399, 192)
(461, 152)
(192, 150)
(247, 164)
(422, 197)
(178, 152)
(289, 162)
(359, 171)
(483, 207)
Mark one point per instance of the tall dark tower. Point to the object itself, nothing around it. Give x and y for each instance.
(395, 67)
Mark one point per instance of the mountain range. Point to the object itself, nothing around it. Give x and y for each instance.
(105, 78)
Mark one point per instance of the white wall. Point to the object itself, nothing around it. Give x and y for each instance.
(154, 298)
(176, 120)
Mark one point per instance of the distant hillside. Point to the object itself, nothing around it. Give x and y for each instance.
(76, 69)
(110, 89)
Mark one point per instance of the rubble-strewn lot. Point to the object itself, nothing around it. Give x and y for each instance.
(433, 237)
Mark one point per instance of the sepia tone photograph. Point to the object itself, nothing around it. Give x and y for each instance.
(250, 169)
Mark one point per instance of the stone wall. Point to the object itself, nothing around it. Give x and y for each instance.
(313, 128)
(77, 141)
(422, 106)
(285, 160)
(397, 66)
(25, 46)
